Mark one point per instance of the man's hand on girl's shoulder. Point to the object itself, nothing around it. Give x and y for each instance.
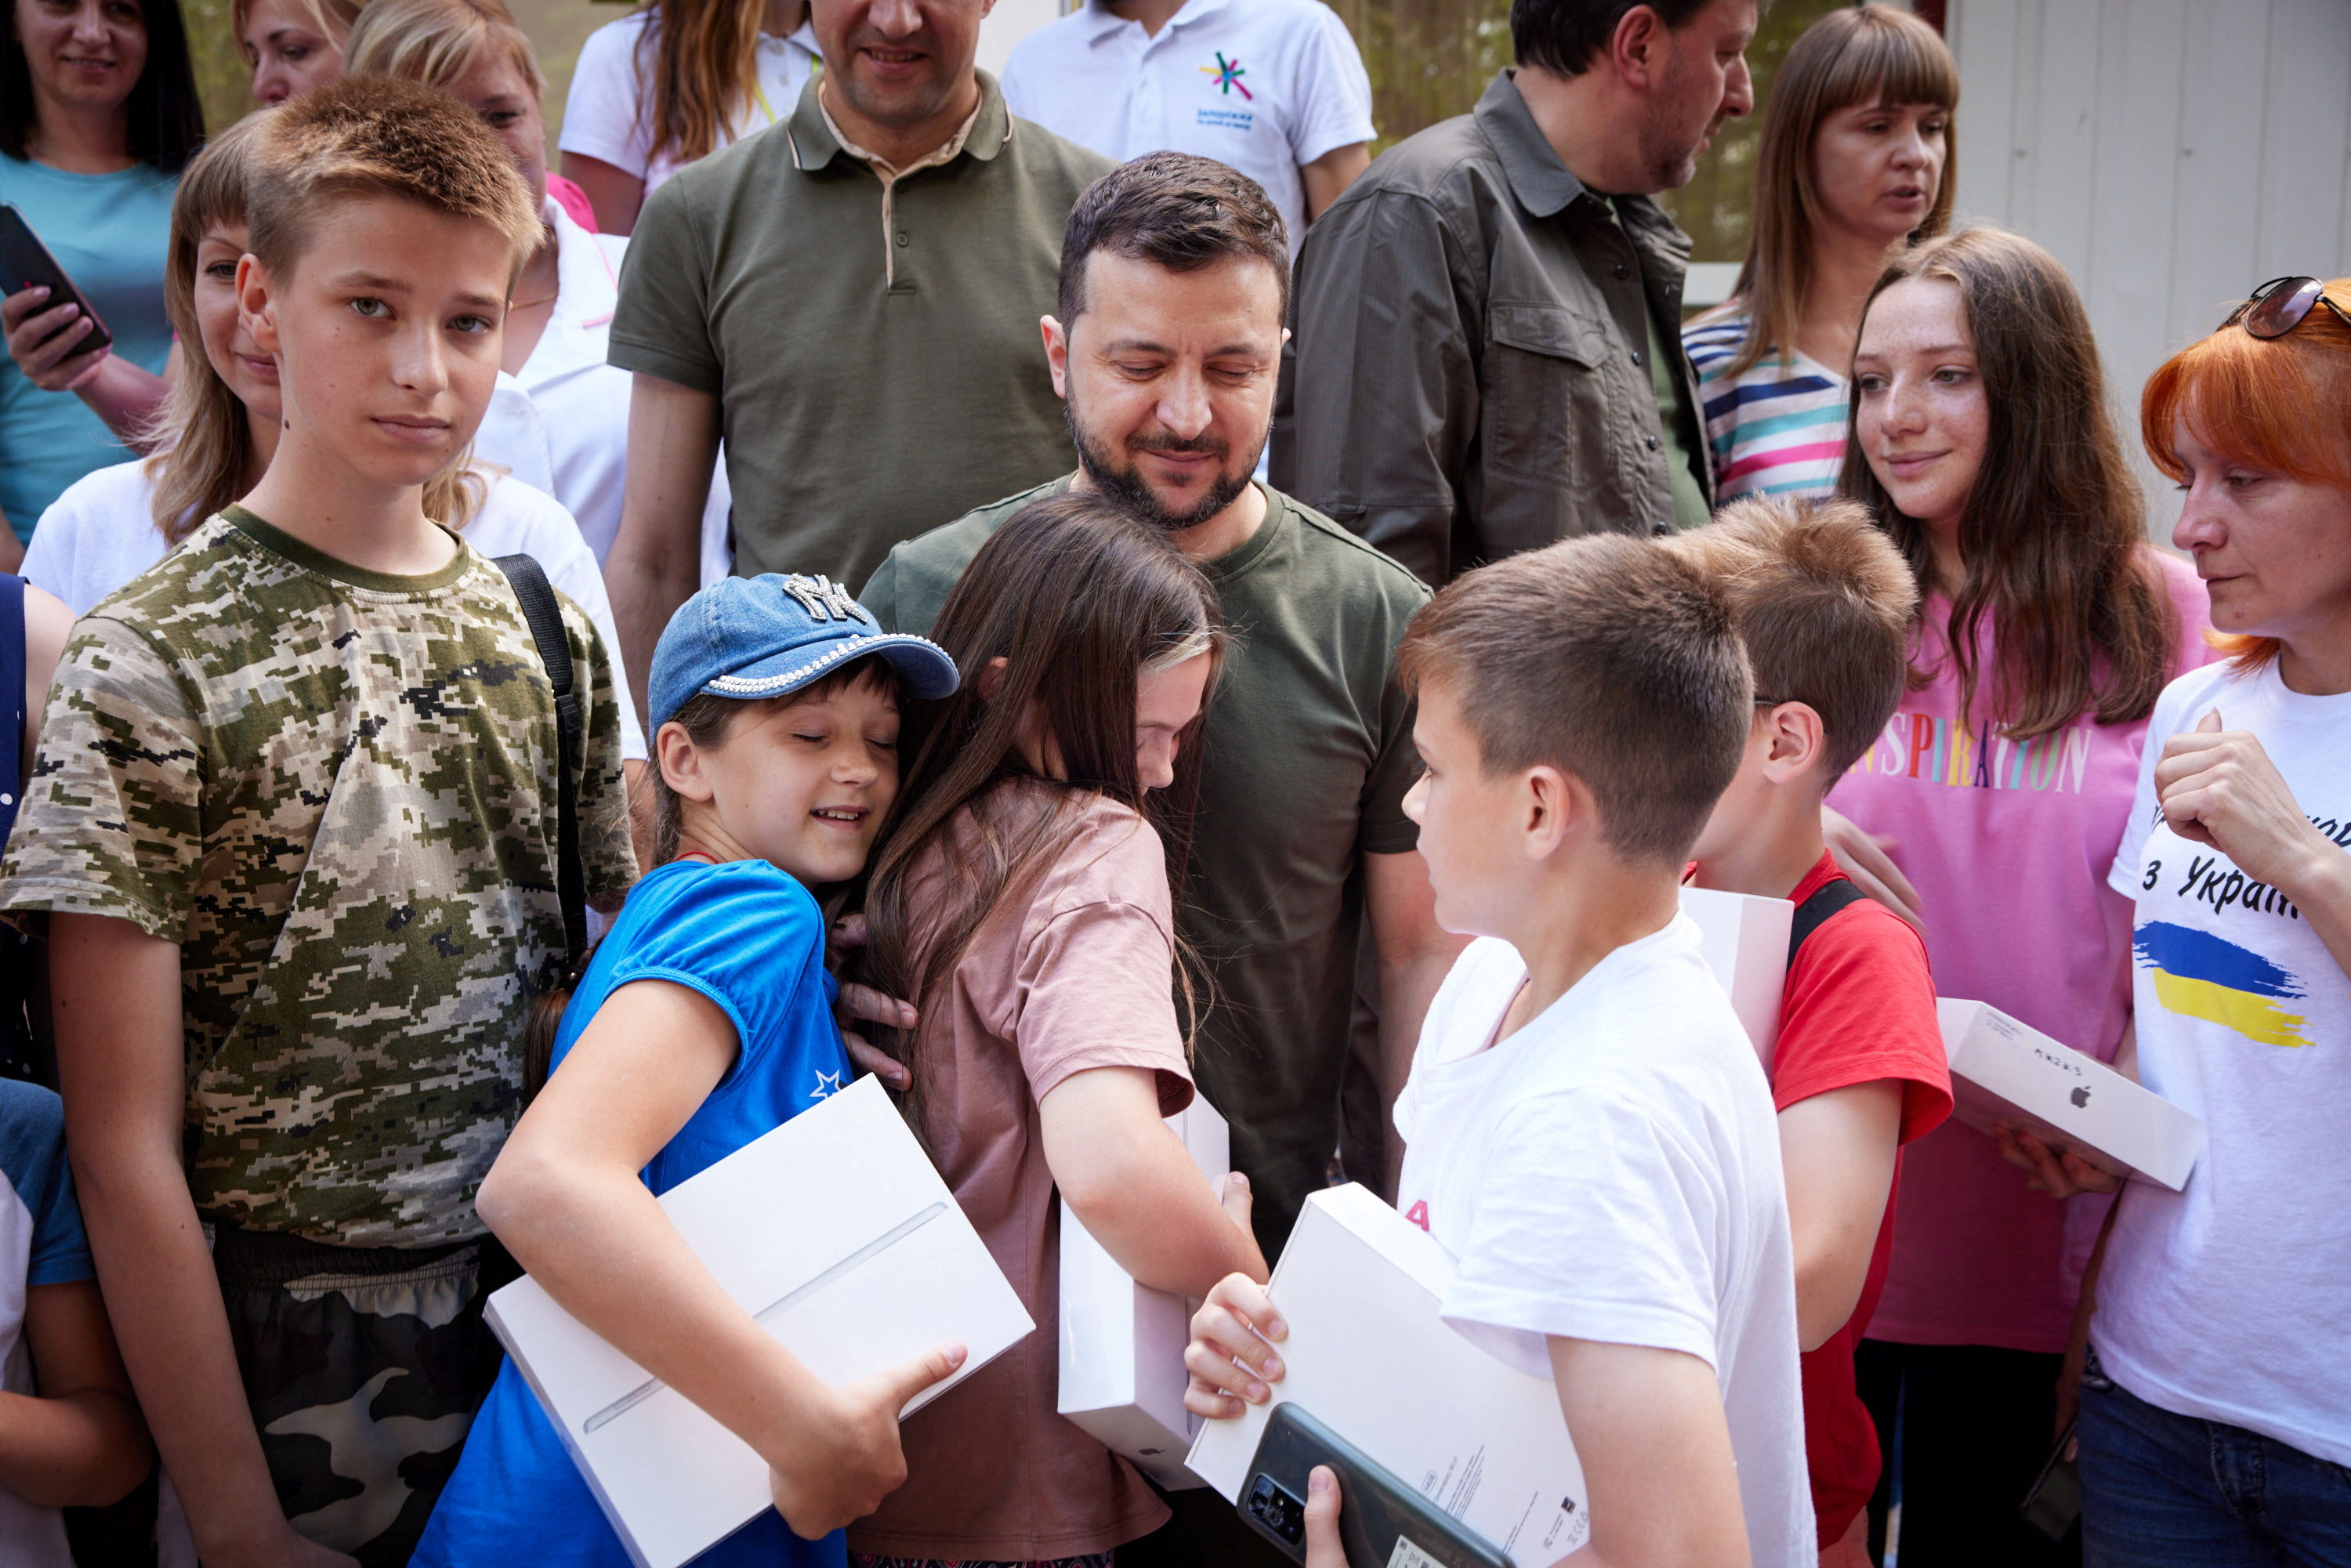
(863, 1004)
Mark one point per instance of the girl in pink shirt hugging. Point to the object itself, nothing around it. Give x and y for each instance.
(1021, 900)
(1981, 443)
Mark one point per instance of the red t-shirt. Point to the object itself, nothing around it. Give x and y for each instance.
(1859, 1006)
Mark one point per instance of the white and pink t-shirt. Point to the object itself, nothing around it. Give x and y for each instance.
(2009, 845)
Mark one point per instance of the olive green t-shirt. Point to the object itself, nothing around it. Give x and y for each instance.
(873, 348)
(1306, 760)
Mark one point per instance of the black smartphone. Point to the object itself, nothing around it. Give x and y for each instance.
(1383, 1522)
(25, 262)
(2053, 1505)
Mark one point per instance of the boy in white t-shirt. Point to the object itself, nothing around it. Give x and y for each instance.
(1586, 1127)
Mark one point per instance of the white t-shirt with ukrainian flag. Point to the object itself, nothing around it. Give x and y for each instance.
(2228, 1301)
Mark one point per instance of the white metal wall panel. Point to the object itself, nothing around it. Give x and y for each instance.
(2170, 153)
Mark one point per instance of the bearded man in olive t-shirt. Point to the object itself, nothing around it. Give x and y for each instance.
(1174, 277)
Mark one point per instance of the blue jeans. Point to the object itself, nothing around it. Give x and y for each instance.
(2161, 1490)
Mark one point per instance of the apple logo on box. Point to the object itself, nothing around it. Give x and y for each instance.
(2080, 1096)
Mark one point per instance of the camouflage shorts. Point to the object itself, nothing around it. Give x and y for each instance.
(363, 1367)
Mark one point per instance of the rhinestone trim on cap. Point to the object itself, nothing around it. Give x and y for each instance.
(740, 686)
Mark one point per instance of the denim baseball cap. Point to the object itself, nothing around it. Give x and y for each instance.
(753, 637)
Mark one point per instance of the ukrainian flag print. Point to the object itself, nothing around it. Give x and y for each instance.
(2197, 975)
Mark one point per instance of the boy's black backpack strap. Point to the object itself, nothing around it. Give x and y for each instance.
(545, 618)
(1812, 913)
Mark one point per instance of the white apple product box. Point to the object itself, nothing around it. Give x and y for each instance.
(1359, 1286)
(1122, 1371)
(837, 1234)
(1745, 941)
(2005, 1074)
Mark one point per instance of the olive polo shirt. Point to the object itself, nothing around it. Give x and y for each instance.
(873, 347)
(1306, 759)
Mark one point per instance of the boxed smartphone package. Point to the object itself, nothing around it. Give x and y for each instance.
(837, 1234)
(1745, 941)
(1122, 1353)
(2007, 1073)
(1359, 1286)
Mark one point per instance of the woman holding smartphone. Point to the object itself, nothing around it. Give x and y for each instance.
(97, 115)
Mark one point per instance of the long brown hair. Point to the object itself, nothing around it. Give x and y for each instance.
(1078, 599)
(201, 437)
(2281, 405)
(1863, 52)
(2053, 536)
(704, 75)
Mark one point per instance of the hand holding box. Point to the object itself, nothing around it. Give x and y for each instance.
(1121, 1349)
(2005, 1074)
(836, 1233)
(1359, 1286)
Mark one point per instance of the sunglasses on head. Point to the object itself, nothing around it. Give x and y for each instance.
(2278, 306)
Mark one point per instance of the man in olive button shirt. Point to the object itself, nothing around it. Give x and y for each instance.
(1487, 354)
(850, 300)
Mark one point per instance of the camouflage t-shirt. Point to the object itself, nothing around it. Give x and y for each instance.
(336, 790)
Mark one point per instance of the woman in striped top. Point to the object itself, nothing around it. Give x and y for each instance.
(1856, 167)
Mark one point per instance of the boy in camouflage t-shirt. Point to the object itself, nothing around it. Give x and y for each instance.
(295, 828)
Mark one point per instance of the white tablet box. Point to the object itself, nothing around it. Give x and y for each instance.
(1359, 1286)
(1122, 1353)
(2008, 1073)
(1744, 939)
(836, 1232)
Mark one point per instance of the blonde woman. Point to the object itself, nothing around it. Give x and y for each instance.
(560, 418)
(674, 82)
(1856, 167)
(294, 46)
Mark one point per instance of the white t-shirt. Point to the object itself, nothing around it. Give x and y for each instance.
(1611, 1171)
(101, 533)
(2232, 1302)
(1266, 85)
(562, 425)
(605, 116)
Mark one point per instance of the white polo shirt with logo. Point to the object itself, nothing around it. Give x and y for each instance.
(1266, 86)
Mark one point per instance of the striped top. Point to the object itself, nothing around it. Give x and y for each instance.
(1776, 430)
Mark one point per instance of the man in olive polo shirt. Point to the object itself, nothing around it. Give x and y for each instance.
(850, 299)
(1166, 345)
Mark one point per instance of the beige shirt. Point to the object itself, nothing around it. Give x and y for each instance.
(1075, 972)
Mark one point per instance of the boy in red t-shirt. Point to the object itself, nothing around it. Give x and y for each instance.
(1824, 601)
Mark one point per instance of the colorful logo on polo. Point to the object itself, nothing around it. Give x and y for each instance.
(1229, 74)
(2199, 976)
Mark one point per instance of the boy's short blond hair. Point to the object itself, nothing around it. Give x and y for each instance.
(366, 137)
(1606, 657)
(1824, 602)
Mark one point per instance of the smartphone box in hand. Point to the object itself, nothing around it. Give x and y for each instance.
(2004, 1073)
(834, 1231)
(1744, 939)
(1121, 1373)
(1359, 1286)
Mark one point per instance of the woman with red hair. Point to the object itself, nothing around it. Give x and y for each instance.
(2215, 1404)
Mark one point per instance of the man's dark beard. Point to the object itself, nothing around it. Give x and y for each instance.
(1132, 494)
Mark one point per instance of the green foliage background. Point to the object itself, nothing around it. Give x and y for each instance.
(1429, 60)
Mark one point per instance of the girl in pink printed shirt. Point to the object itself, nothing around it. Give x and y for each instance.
(2047, 626)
